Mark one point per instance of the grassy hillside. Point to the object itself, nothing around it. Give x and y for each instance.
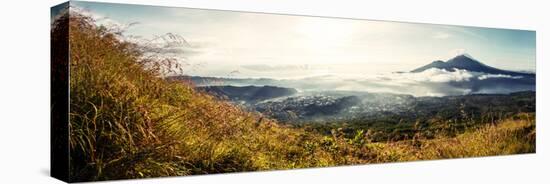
(128, 122)
(507, 137)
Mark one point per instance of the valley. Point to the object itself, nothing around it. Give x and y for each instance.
(488, 95)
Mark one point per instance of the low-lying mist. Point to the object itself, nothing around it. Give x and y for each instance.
(431, 82)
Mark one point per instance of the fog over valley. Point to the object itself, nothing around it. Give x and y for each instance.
(431, 81)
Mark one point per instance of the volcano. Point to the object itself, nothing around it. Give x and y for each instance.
(467, 62)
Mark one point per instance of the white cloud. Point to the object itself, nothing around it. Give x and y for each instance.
(441, 35)
(433, 75)
(488, 76)
(441, 75)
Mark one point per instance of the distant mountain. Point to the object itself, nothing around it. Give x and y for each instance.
(466, 62)
(224, 81)
(248, 93)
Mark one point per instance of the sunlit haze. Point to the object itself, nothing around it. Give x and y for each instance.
(236, 44)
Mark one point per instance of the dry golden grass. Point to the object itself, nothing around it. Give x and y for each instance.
(506, 137)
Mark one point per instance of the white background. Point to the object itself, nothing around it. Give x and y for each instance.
(24, 91)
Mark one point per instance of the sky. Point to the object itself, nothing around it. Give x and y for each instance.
(237, 44)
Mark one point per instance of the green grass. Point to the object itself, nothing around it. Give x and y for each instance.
(128, 122)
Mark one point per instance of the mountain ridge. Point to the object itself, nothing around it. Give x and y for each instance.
(248, 93)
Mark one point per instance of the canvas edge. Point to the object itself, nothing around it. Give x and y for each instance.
(59, 100)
